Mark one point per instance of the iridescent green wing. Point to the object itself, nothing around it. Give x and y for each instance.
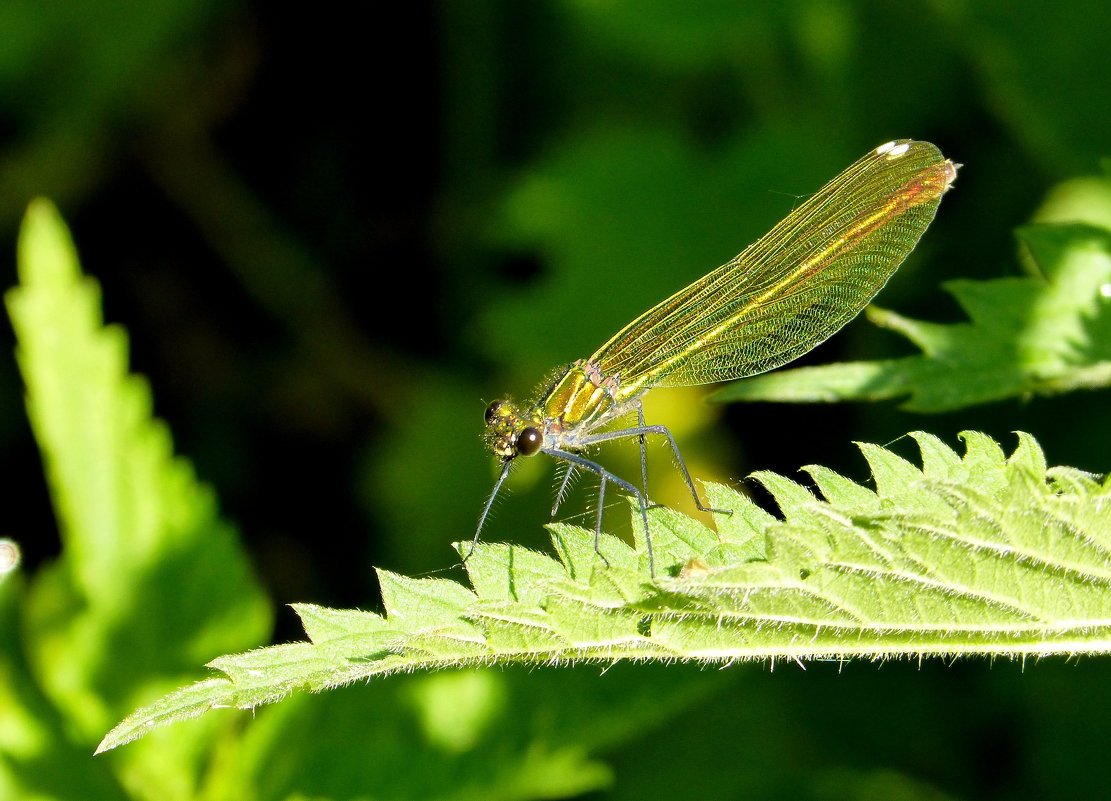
(794, 287)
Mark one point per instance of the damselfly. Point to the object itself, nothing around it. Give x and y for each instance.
(783, 295)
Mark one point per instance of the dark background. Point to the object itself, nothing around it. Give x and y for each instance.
(335, 232)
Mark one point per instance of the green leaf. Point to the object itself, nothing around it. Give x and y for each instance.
(151, 580)
(979, 553)
(1045, 334)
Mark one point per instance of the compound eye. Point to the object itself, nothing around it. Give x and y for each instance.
(529, 441)
(492, 411)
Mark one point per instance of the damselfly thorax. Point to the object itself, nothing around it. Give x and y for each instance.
(579, 401)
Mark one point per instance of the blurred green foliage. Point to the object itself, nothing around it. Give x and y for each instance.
(335, 233)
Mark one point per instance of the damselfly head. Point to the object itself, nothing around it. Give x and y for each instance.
(510, 433)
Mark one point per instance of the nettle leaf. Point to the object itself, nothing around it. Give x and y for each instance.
(980, 553)
(151, 578)
(1045, 334)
